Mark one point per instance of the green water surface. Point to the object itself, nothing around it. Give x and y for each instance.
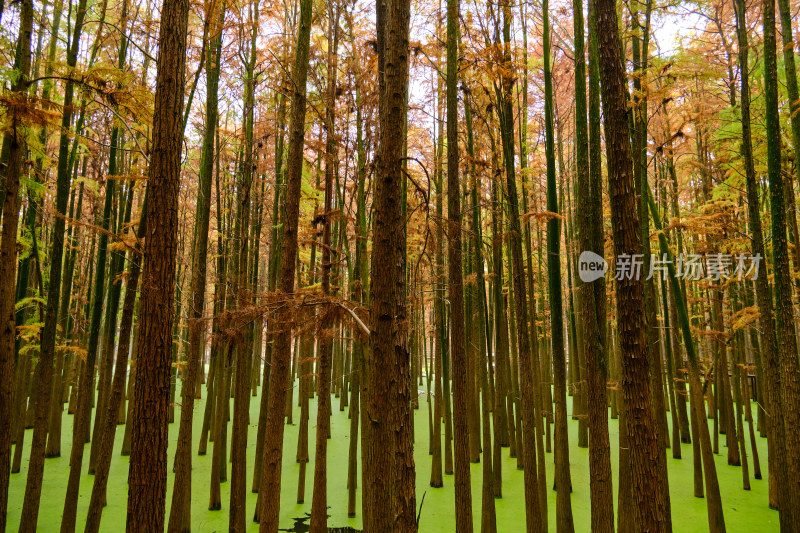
(745, 511)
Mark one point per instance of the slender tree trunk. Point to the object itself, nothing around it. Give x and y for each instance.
(534, 515)
(319, 505)
(148, 466)
(463, 488)
(562, 480)
(492, 457)
(593, 297)
(643, 441)
(107, 433)
(793, 100)
(440, 339)
(716, 520)
(53, 448)
(269, 491)
(243, 339)
(272, 267)
(784, 311)
(360, 295)
(180, 510)
(8, 260)
(44, 369)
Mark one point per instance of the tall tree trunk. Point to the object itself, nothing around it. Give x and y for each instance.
(270, 491)
(463, 487)
(593, 297)
(319, 505)
(643, 441)
(784, 311)
(389, 490)
(359, 295)
(716, 520)
(53, 448)
(272, 267)
(439, 326)
(534, 515)
(180, 517)
(243, 337)
(107, 433)
(44, 369)
(776, 441)
(793, 100)
(148, 465)
(8, 259)
(563, 485)
(492, 456)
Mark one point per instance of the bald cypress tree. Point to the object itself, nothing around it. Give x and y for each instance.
(44, 369)
(319, 505)
(562, 478)
(776, 438)
(389, 501)
(8, 252)
(593, 295)
(463, 494)
(270, 489)
(180, 510)
(784, 309)
(148, 466)
(643, 442)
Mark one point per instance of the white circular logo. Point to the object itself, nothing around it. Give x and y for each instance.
(591, 266)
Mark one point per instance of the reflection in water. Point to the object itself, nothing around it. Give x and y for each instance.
(301, 526)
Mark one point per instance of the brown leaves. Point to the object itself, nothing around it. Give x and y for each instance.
(543, 216)
(21, 109)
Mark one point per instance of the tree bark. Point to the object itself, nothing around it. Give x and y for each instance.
(593, 297)
(641, 427)
(463, 488)
(269, 491)
(148, 464)
(108, 431)
(784, 310)
(44, 369)
(776, 441)
(562, 479)
(180, 517)
(534, 516)
(319, 504)
(8, 259)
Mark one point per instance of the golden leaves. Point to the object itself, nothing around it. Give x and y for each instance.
(543, 216)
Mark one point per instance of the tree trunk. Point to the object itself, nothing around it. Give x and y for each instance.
(784, 311)
(44, 369)
(148, 465)
(8, 260)
(244, 331)
(716, 520)
(180, 517)
(534, 515)
(389, 499)
(108, 431)
(463, 488)
(319, 505)
(776, 442)
(269, 491)
(593, 297)
(647, 484)
(562, 479)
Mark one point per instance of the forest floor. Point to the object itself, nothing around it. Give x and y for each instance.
(745, 511)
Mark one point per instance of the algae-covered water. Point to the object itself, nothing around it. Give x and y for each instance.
(745, 511)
